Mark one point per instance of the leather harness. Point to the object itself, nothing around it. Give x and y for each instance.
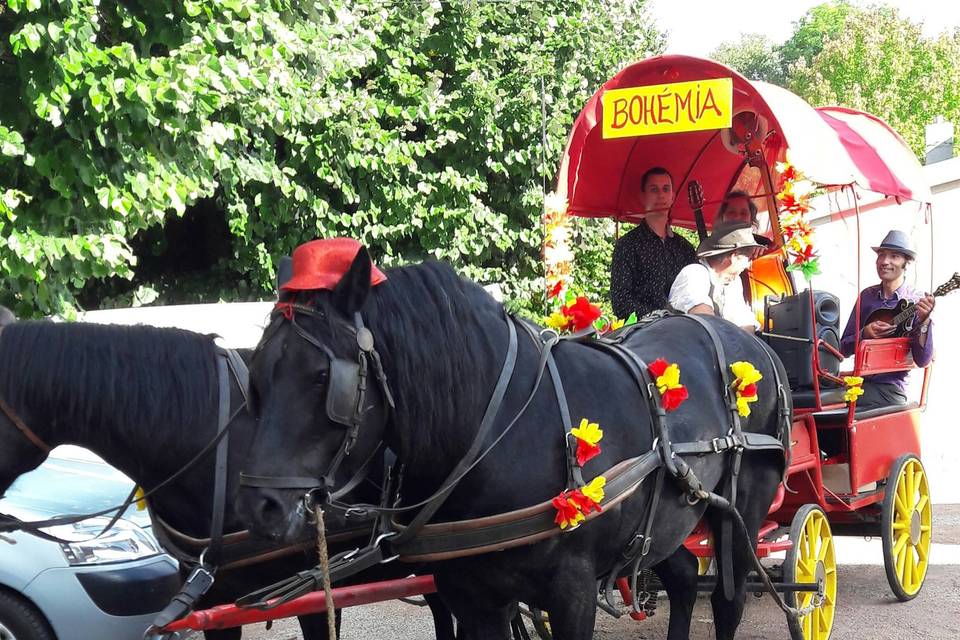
(219, 552)
(420, 541)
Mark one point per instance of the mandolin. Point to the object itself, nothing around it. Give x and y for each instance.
(903, 314)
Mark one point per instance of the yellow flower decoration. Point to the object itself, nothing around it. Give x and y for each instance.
(589, 432)
(594, 490)
(746, 374)
(557, 321)
(745, 385)
(616, 324)
(669, 379)
(743, 404)
(140, 500)
(854, 388)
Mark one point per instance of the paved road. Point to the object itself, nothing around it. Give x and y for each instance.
(866, 609)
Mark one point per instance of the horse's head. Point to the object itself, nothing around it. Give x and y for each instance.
(315, 388)
(21, 450)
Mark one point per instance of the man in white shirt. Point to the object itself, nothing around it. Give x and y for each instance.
(712, 285)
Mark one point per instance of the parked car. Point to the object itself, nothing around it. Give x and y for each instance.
(105, 588)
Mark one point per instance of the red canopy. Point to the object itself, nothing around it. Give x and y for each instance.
(831, 145)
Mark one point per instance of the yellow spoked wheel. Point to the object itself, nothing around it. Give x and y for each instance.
(541, 623)
(906, 522)
(705, 566)
(811, 559)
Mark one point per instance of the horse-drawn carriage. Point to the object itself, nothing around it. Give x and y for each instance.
(717, 132)
(652, 113)
(450, 360)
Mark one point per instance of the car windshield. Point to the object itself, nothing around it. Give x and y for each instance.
(71, 481)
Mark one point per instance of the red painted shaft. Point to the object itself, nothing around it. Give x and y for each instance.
(228, 615)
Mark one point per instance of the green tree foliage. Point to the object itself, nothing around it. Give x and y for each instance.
(881, 63)
(868, 58)
(754, 56)
(819, 25)
(413, 126)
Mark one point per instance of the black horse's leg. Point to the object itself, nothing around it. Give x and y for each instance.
(314, 626)
(753, 508)
(224, 634)
(442, 618)
(678, 573)
(484, 624)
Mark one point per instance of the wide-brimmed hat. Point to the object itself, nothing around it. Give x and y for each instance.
(726, 238)
(898, 241)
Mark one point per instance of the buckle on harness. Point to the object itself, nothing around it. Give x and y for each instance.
(719, 444)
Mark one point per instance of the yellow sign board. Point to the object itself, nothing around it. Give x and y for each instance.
(699, 105)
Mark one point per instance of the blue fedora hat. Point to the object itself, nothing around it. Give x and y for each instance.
(900, 242)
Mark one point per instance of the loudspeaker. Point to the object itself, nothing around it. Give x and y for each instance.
(791, 329)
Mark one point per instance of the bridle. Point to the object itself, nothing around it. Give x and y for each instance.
(345, 401)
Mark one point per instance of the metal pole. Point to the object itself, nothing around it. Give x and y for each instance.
(228, 616)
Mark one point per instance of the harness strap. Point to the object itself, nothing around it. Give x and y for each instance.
(446, 540)
(201, 578)
(24, 429)
(489, 418)
(726, 522)
(220, 468)
(747, 441)
(574, 470)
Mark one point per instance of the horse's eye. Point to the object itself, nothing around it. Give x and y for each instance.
(322, 377)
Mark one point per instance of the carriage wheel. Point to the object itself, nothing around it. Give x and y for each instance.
(541, 623)
(905, 523)
(705, 566)
(811, 558)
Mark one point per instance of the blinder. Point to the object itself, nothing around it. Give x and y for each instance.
(345, 401)
(344, 392)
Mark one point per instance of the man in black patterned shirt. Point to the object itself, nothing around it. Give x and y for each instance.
(648, 258)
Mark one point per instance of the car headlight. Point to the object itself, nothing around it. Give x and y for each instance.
(124, 541)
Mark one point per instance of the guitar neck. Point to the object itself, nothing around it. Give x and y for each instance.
(911, 308)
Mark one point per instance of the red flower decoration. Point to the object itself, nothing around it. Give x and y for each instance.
(806, 255)
(673, 398)
(586, 451)
(555, 290)
(749, 391)
(667, 378)
(657, 367)
(582, 312)
(568, 513)
(585, 504)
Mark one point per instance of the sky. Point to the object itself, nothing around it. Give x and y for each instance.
(697, 27)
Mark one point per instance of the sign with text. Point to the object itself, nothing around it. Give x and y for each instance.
(699, 105)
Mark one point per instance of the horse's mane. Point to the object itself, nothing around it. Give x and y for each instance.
(102, 375)
(441, 327)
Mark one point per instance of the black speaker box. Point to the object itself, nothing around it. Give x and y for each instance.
(791, 329)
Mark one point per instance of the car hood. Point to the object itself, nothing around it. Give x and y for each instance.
(66, 487)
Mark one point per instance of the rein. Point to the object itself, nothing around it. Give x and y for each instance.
(24, 429)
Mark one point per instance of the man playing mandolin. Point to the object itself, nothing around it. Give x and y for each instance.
(879, 305)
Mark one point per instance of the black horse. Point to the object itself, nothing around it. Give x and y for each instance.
(146, 400)
(442, 341)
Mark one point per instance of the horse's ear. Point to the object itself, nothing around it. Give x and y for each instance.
(354, 287)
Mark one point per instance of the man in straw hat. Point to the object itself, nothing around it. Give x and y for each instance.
(894, 254)
(712, 286)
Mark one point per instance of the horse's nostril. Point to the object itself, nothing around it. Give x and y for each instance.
(269, 510)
